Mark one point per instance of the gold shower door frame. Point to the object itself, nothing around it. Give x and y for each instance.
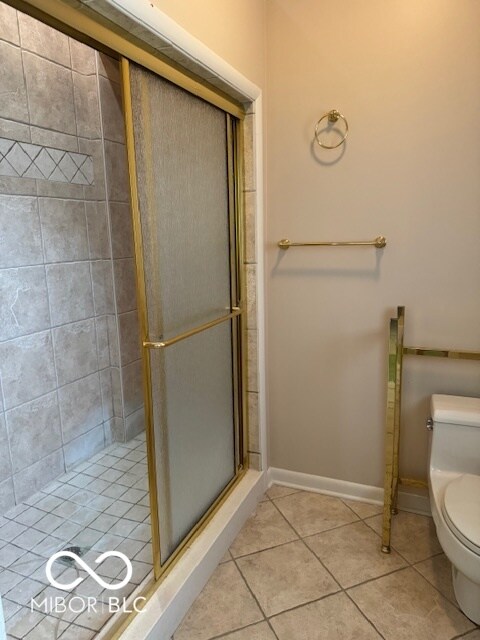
(236, 317)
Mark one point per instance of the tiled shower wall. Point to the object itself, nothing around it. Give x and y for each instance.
(152, 39)
(70, 368)
(250, 187)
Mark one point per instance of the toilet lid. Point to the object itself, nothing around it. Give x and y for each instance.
(462, 508)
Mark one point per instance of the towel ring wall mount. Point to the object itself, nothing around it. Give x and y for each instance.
(333, 116)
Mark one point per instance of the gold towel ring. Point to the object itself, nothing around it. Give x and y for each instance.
(332, 116)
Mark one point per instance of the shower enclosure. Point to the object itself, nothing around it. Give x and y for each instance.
(184, 170)
(122, 318)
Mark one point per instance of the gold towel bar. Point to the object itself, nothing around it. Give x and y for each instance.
(236, 311)
(441, 353)
(379, 243)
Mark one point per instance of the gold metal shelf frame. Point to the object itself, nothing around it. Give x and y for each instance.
(396, 351)
(379, 242)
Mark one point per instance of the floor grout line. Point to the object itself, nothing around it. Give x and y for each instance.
(362, 613)
(250, 589)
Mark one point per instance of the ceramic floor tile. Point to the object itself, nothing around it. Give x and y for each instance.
(48, 629)
(332, 618)
(8, 579)
(10, 554)
(145, 554)
(49, 523)
(101, 503)
(278, 491)
(285, 577)
(118, 508)
(23, 622)
(15, 511)
(24, 591)
(83, 497)
(403, 606)
(48, 546)
(265, 528)
(130, 548)
(27, 564)
(12, 530)
(103, 522)
(413, 536)
(140, 571)
(29, 538)
(364, 509)
(310, 513)
(108, 542)
(30, 516)
(124, 527)
(438, 571)
(133, 495)
(224, 605)
(259, 631)
(10, 609)
(49, 503)
(352, 554)
(93, 620)
(226, 557)
(142, 532)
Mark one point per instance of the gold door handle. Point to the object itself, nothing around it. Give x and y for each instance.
(236, 311)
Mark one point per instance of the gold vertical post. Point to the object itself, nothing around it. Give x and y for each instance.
(390, 435)
(238, 141)
(398, 406)
(142, 311)
(234, 287)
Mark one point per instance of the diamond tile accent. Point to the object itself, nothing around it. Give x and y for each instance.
(25, 160)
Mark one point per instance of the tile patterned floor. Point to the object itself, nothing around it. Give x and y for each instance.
(102, 505)
(309, 567)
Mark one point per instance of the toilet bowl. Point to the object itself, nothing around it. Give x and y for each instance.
(454, 486)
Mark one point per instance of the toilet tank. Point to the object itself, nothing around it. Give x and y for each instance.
(455, 443)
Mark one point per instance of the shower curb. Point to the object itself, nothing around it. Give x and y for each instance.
(175, 595)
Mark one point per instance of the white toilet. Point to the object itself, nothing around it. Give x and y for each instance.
(454, 483)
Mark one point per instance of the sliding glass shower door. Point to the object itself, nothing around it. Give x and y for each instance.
(182, 163)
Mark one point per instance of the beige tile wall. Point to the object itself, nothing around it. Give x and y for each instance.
(70, 375)
(254, 449)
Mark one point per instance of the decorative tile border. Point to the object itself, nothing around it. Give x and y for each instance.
(25, 160)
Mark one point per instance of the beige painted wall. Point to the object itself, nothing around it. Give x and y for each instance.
(406, 73)
(234, 29)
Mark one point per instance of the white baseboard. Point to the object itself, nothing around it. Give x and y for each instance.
(408, 501)
(175, 595)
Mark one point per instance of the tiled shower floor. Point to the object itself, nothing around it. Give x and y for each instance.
(309, 567)
(102, 505)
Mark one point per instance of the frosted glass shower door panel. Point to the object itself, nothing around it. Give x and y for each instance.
(181, 146)
(181, 151)
(196, 419)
